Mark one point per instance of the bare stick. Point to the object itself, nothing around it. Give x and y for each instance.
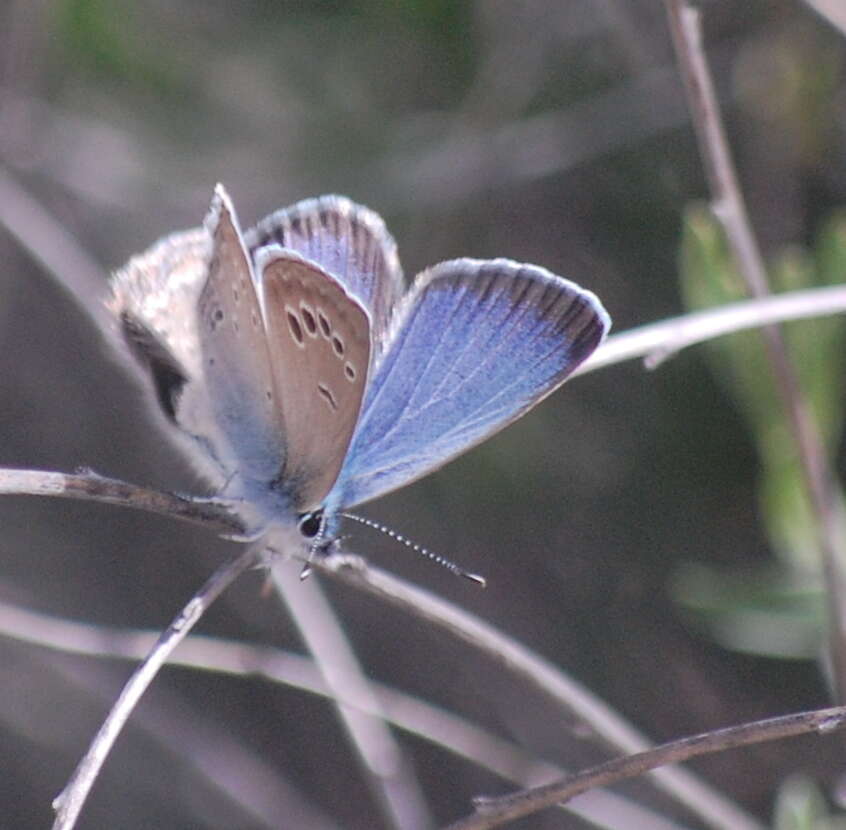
(193, 739)
(383, 758)
(212, 514)
(831, 10)
(659, 341)
(611, 728)
(71, 800)
(48, 242)
(606, 724)
(408, 713)
(730, 209)
(493, 812)
(383, 761)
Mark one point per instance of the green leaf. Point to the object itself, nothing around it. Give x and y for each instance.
(763, 611)
(779, 612)
(817, 352)
(800, 805)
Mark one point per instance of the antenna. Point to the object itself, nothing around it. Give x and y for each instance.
(425, 552)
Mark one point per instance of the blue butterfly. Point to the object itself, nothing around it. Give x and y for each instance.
(305, 378)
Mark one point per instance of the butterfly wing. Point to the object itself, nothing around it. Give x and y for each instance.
(473, 346)
(155, 301)
(319, 339)
(248, 431)
(347, 241)
(153, 298)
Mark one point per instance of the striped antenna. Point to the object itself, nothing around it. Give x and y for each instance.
(425, 552)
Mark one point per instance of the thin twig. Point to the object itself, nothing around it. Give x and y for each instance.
(606, 724)
(384, 763)
(69, 803)
(193, 739)
(49, 243)
(831, 10)
(493, 812)
(657, 342)
(410, 714)
(730, 208)
(212, 514)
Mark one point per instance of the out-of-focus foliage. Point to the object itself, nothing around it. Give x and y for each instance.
(776, 608)
(801, 806)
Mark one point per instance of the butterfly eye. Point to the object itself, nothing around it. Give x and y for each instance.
(309, 525)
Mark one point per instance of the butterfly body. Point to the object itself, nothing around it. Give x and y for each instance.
(306, 379)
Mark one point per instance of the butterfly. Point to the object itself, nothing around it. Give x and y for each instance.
(304, 377)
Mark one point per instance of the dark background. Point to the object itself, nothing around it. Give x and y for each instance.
(548, 132)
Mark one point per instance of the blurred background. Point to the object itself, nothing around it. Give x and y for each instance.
(641, 530)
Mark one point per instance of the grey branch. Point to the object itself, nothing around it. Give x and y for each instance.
(493, 812)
